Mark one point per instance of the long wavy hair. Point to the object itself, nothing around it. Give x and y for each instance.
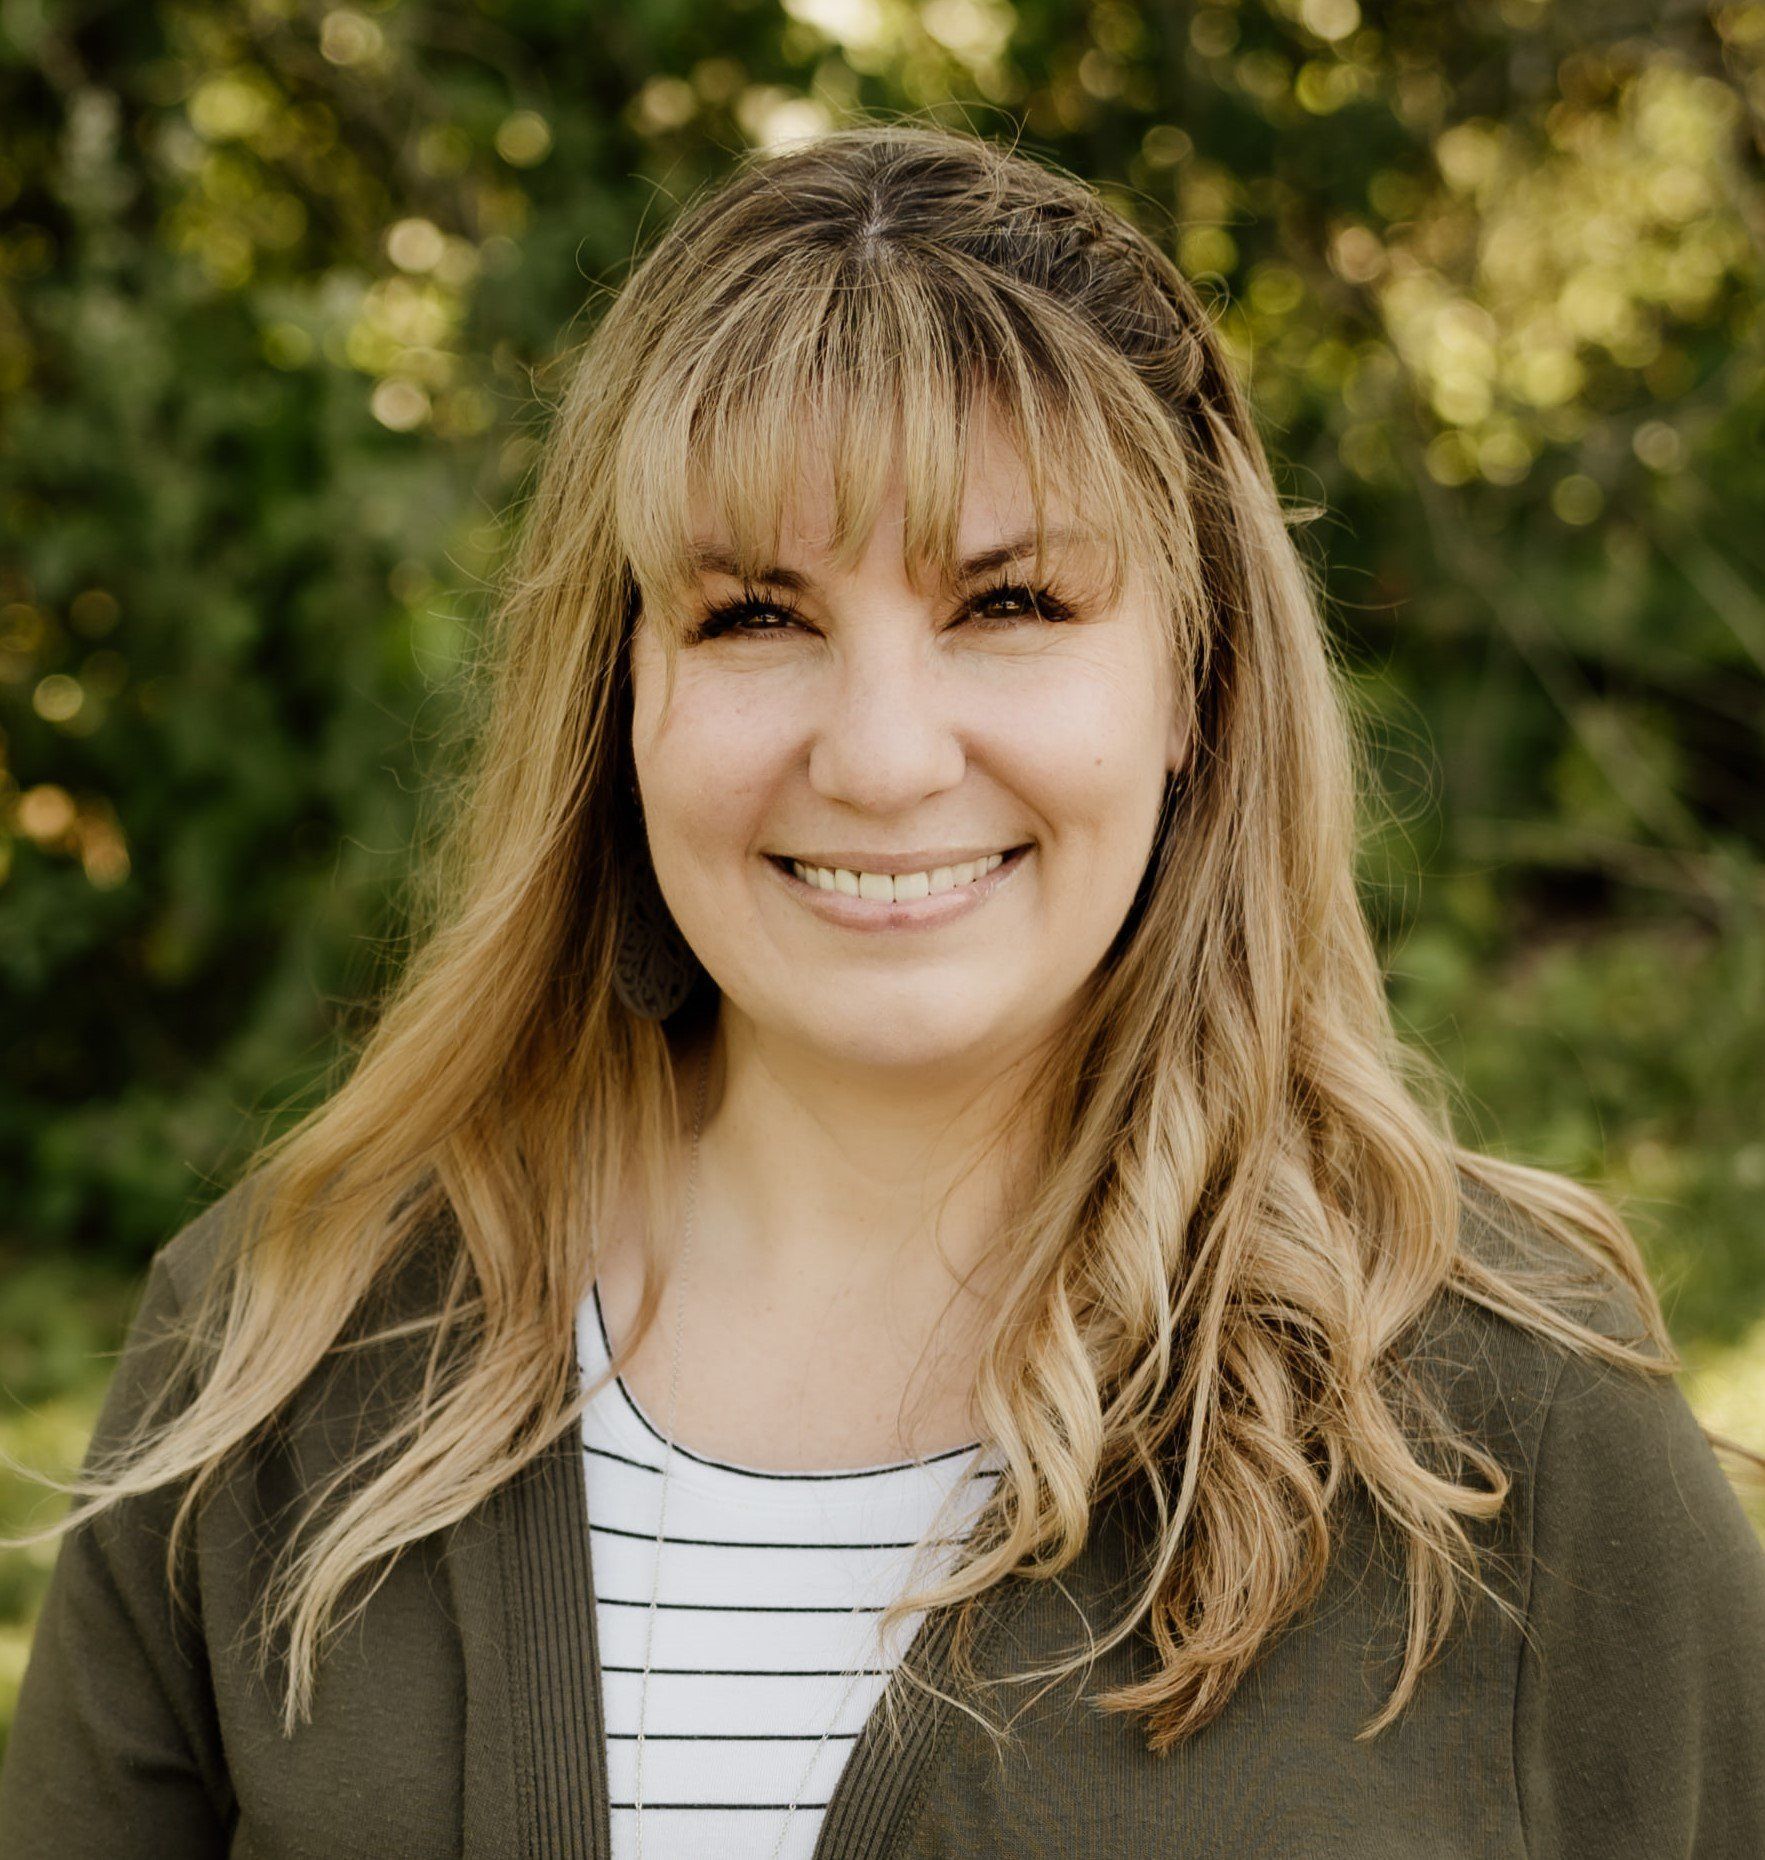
(1246, 1187)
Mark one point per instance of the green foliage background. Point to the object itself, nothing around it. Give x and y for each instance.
(279, 285)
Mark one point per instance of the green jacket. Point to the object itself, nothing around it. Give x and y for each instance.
(461, 1715)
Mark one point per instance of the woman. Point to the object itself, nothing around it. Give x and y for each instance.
(895, 994)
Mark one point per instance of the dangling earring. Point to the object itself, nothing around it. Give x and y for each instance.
(654, 968)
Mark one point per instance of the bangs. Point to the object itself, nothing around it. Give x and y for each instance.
(828, 373)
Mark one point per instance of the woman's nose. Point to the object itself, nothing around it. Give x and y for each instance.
(885, 737)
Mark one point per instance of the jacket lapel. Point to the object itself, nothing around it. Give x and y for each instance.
(491, 1794)
(875, 1802)
(535, 1760)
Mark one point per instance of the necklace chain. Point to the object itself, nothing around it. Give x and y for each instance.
(681, 1275)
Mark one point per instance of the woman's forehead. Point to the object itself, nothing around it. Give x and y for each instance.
(792, 537)
(989, 538)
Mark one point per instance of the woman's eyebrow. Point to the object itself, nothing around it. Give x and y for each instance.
(713, 559)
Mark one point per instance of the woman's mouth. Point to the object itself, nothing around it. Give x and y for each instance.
(904, 900)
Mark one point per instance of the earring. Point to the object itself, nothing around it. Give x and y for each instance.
(654, 968)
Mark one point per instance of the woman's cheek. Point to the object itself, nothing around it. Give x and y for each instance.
(1090, 747)
(715, 762)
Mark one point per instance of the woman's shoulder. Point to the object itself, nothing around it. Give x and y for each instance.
(182, 1265)
(1618, 1486)
(1598, 1449)
(210, 1241)
(1496, 1236)
(172, 1340)
(1486, 1364)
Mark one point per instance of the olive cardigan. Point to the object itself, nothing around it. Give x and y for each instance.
(460, 1715)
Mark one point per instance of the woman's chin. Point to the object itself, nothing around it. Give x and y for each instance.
(932, 1034)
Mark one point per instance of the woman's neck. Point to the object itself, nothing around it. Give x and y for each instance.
(829, 1173)
(837, 1293)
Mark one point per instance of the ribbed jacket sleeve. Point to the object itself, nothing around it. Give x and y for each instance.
(1639, 1724)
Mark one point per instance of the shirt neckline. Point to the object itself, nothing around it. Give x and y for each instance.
(774, 1475)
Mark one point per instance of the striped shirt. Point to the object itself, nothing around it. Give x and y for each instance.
(766, 1624)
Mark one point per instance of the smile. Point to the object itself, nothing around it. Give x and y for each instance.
(905, 900)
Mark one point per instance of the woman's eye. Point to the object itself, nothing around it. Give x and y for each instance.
(743, 617)
(995, 610)
(1022, 603)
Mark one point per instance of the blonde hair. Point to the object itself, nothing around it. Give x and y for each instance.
(1247, 1187)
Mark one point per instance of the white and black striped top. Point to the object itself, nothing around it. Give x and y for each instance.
(771, 1587)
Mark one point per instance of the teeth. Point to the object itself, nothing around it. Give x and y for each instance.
(885, 889)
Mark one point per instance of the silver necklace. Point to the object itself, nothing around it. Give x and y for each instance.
(643, 1701)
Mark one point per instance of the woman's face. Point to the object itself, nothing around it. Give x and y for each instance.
(894, 735)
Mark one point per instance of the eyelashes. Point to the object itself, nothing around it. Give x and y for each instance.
(1040, 603)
